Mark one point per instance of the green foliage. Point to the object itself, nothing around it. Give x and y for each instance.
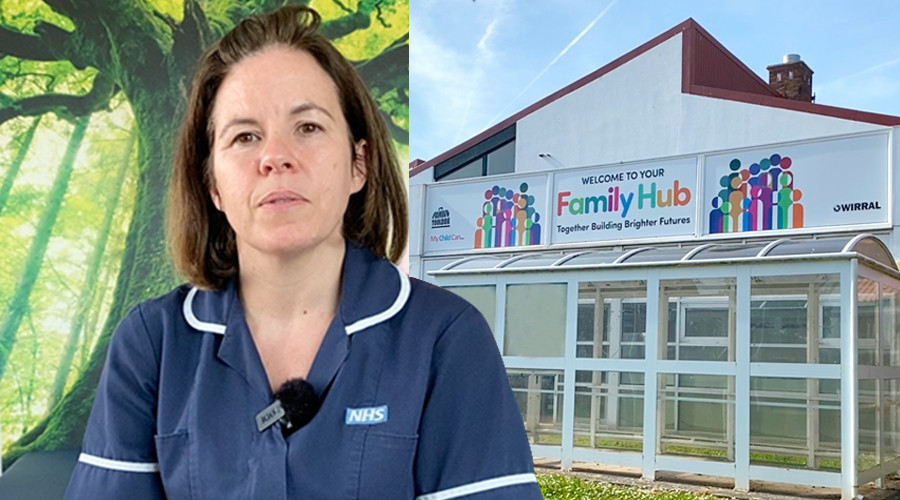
(24, 15)
(561, 487)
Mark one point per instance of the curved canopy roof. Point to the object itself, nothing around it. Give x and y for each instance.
(866, 246)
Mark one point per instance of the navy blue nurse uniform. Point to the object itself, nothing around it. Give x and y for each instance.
(415, 403)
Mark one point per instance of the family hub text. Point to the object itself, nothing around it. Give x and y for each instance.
(616, 201)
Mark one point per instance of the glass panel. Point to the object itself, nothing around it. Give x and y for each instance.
(472, 169)
(539, 394)
(502, 160)
(890, 420)
(809, 247)
(658, 255)
(594, 258)
(725, 252)
(869, 428)
(535, 260)
(795, 423)
(699, 317)
(795, 319)
(867, 320)
(609, 410)
(697, 416)
(873, 249)
(483, 297)
(535, 320)
(890, 328)
(612, 319)
(484, 262)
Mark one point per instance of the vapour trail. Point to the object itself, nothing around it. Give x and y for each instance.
(558, 56)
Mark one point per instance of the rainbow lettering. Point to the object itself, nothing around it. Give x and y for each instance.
(647, 196)
(758, 198)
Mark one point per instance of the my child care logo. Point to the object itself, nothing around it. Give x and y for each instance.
(508, 219)
(757, 198)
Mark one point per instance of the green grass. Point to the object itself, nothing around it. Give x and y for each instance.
(559, 487)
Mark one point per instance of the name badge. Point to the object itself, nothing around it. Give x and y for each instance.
(269, 415)
(369, 415)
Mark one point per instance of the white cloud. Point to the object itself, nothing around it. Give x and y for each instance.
(868, 89)
(448, 79)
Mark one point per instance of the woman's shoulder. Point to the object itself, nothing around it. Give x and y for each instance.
(159, 315)
(435, 299)
(165, 305)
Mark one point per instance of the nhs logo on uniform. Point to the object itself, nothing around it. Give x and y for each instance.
(369, 415)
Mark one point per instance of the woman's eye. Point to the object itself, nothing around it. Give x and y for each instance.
(309, 128)
(244, 138)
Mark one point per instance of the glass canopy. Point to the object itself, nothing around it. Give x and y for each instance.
(866, 246)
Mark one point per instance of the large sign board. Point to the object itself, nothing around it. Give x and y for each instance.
(801, 187)
(841, 182)
(625, 202)
(496, 213)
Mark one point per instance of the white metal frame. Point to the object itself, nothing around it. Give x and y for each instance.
(740, 369)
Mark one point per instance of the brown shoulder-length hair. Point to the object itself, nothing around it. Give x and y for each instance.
(201, 241)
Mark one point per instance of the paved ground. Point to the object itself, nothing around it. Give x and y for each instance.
(717, 486)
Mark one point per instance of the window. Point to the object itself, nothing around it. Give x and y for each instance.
(471, 169)
(500, 160)
(535, 320)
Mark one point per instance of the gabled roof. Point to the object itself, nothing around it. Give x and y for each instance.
(708, 69)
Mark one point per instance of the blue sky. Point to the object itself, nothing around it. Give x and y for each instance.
(474, 63)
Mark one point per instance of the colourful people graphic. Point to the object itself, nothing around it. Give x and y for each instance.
(758, 198)
(507, 219)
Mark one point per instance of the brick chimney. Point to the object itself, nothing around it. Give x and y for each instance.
(792, 78)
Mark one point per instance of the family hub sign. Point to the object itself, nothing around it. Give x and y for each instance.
(504, 212)
(840, 183)
(637, 201)
(836, 183)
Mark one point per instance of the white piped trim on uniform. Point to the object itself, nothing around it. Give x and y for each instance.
(387, 313)
(118, 464)
(188, 311)
(480, 486)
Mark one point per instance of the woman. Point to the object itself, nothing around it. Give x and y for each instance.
(285, 201)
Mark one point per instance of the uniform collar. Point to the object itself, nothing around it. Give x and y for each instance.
(372, 291)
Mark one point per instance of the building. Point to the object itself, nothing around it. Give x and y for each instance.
(686, 268)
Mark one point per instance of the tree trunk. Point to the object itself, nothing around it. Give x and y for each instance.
(98, 299)
(17, 163)
(90, 280)
(18, 304)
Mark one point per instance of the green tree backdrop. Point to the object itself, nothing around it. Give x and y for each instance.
(91, 93)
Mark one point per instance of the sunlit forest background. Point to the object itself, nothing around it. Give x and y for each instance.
(91, 94)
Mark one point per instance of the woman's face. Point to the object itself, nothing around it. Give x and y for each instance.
(282, 156)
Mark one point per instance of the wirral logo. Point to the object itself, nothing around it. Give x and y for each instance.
(508, 219)
(757, 198)
(440, 218)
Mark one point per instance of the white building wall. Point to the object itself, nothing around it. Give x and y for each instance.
(638, 112)
(709, 124)
(417, 216)
(630, 113)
